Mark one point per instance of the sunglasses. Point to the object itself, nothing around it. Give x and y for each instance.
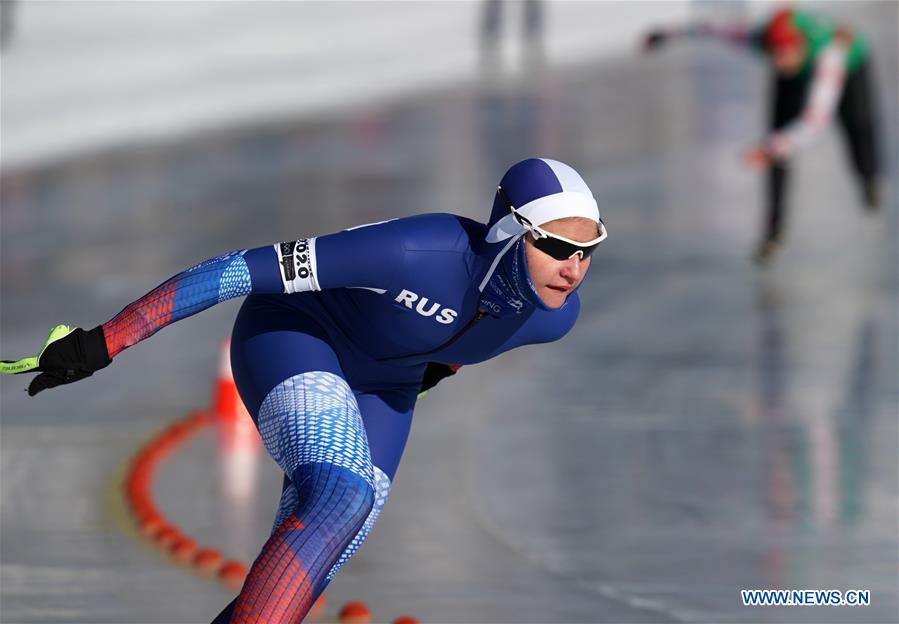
(553, 245)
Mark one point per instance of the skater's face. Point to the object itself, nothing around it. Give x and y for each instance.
(788, 60)
(555, 279)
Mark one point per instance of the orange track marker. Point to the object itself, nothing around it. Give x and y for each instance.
(208, 560)
(233, 574)
(354, 613)
(184, 550)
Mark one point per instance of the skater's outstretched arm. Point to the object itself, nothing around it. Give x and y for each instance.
(363, 257)
(231, 275)
(71, 354)
(738, 33)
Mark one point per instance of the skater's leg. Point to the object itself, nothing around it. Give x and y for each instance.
(311, 426)
(290, 378)
(388, 418)
(858, 118)
(787, 101)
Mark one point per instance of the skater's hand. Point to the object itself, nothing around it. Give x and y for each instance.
(654, 40)
(434, 373)
(843, 34)
(756, 158)
(69, 354)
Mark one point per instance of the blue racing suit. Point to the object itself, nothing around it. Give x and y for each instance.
(328, 353)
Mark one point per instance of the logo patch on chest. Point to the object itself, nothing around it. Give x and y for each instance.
(425, 307)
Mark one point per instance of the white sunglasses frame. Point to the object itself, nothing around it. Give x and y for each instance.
(539, 232)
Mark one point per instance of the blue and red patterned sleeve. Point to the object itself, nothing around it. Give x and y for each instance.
(369, 256)
(234, 274)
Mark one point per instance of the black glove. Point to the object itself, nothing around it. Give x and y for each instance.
(68, 355)
(654, 40)
(434, 373)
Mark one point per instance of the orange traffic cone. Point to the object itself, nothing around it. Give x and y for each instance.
(239, 441)
(226, 402)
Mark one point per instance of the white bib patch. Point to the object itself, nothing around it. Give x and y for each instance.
(298, 268)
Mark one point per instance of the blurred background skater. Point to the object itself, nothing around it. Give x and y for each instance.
(491, 32)
(819, 67)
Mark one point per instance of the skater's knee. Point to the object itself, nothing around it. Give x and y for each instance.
(347, 494)
(381, 492)
(361, 502)
(357, 497)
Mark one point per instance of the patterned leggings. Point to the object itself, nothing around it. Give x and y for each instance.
(339, 450)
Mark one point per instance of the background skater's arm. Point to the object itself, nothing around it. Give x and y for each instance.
(736, 33)
(824, 94)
